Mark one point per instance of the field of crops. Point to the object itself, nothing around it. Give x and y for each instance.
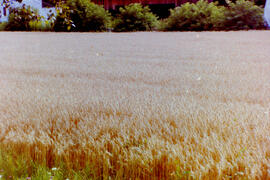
(147, 105)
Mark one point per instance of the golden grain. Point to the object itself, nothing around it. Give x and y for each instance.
(139, 105)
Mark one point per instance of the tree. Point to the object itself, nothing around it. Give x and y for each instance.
(19, 18)
(81, 15)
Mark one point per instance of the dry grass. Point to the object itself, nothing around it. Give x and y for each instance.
(138, 105)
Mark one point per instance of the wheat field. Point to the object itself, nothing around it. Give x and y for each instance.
(153, 105)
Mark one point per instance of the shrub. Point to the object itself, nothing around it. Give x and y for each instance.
(81, 15)
(40, 25)
(3, 26)
(195, 17)
(243, 15)
(20, 18)
(135, 17)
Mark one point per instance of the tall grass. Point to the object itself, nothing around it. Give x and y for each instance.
(79, 106)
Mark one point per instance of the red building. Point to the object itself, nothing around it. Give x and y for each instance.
(113, 4)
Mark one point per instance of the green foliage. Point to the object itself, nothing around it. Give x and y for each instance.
(243, 15)
(81, 15)
(135, 17)
(41, 25)
(3, 26)
(20, 18)
(195, 17)
(19, 166)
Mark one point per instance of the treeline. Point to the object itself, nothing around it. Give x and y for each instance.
(86, 16)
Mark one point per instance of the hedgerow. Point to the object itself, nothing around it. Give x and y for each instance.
(85, 16)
